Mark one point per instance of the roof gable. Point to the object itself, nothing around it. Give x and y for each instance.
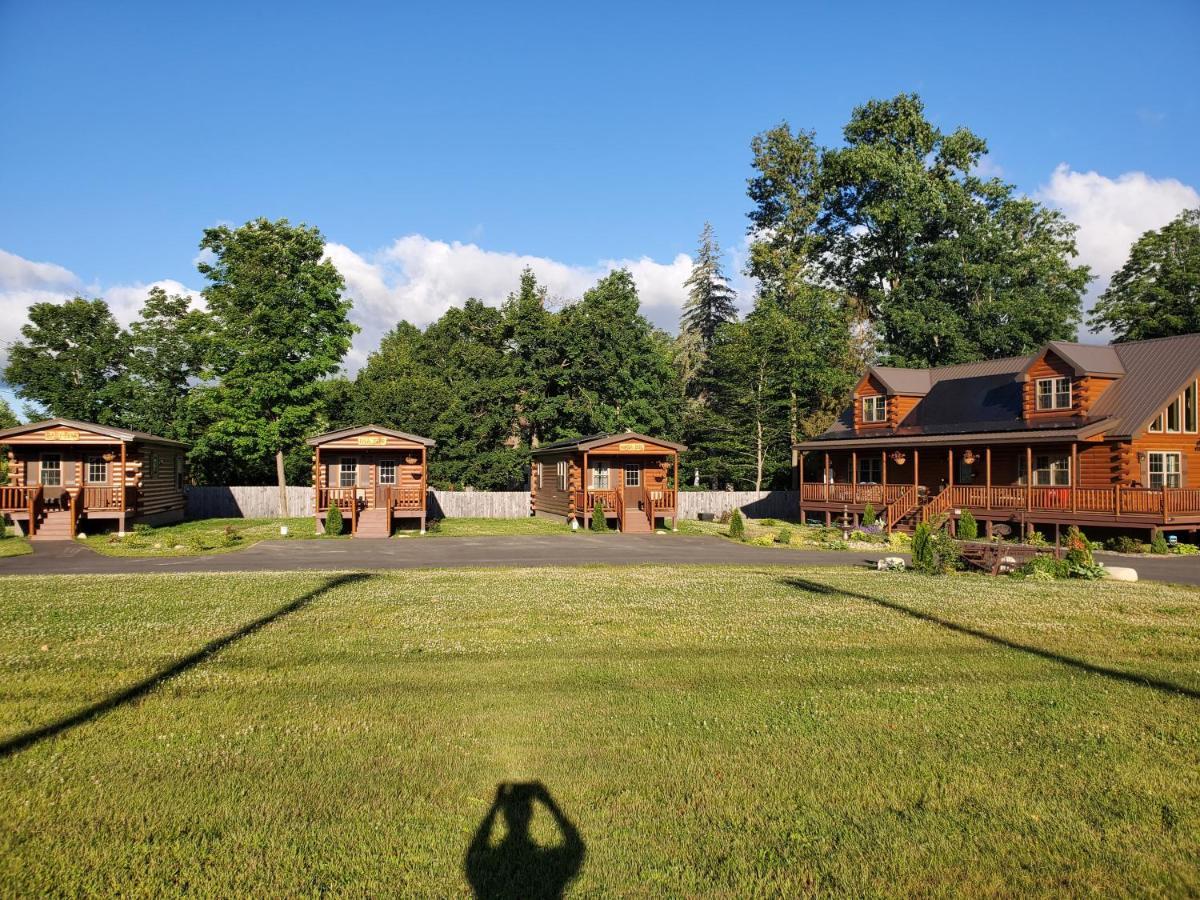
(600, 441)
(1084, 359)
(60, 427)
(367, 432)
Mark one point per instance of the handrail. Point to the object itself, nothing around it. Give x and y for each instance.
(619, 505)
(37, 501)
(900, 507)
(14, 498)
(74, 513)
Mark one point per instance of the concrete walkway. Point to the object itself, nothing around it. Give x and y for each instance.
(65, 558)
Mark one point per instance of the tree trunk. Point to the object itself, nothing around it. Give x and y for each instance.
(279, 474)
(759, 456)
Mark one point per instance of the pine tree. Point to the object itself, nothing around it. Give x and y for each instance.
(710, 302)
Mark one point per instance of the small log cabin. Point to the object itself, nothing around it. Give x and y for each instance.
(1103, 437)
(634, 477)
(374, 475)
(66, 477)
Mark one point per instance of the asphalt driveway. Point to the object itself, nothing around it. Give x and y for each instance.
(527, 551)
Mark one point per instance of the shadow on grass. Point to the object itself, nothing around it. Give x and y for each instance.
(146, 685)
(1168, 687)
(517, 866)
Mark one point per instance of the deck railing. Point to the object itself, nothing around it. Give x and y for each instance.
(877, 494)
(405, 499)
(906, 501)
(13, 499)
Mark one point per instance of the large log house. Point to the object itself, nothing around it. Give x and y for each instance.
(632, 476)
(1096, 436)
(67, 476)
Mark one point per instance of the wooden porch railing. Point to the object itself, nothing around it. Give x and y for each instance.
(13, 499)
(906, 501)
(37, 502)
(1115, 501)
(345, 499)
(659, 504)
(876, 494)
(405, 499)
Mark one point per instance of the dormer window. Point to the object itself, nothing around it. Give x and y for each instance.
(1180, 416)
(874, 409)
(1053, 393)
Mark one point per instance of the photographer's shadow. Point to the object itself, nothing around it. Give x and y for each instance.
(517, 866)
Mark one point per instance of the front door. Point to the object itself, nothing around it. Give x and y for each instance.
(633, 484)
(385, 478)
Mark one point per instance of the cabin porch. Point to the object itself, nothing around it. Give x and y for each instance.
(1081, 483)
(636, 490)
(372, 488)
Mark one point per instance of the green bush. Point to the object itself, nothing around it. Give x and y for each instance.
(1124, 544)
(230, 537)
(784, 536)
(868, 516)
(142, 529)
(1078, 558)
(1036, 539)
(334, 525)
(1185, 549)
(599, 523)
(1043, 568)
(968, 528)
(3, 527)
(922, 552)
(737, 527)
(1158, 543)
(433, 526)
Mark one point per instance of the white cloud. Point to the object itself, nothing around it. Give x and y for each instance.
(418, 279)
(1112, 213)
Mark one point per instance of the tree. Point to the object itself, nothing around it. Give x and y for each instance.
(1157, 292)
(71, 361)
(280, 325)
(951, 267)
(7, 420)
(167, 343)
(531, 345)
(710, 302)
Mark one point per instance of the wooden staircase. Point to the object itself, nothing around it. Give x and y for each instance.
(635, 521)
(372, 523)
(53, 525)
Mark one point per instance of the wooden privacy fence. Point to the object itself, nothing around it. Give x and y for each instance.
(262, 502)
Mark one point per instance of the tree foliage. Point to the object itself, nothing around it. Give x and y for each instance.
(1157, 292)
(710, 300)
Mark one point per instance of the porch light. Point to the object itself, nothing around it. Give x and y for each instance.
(969, 457)
(898, 457)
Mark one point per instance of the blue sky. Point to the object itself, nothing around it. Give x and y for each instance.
(437, 146)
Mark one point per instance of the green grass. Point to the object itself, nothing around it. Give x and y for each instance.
(763, 533)
(202, 537)
(14, 545)
(716, 731)
(495, 527)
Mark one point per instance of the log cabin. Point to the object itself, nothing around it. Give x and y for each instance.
(68, 477)
(1099, 436)
(632, 476)
(373, 475)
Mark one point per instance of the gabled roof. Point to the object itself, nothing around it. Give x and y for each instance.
(985, 398)
(1085, 359)
(125, 435)
(909, 382)
(600, 440)
(363, 429)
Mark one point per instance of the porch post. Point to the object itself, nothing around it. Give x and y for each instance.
(586, 518)
(987, 455)
(675, 489)
(950, 467)
(800, 482)
(853, 476)
(883, 469)
(1074, 476)
(916, 469)
(121, 490)
(1028, 477)
(424, 489)
(826, 477)
(317, 484)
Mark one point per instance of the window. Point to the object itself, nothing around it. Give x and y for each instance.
(1189, 409)
(387, 471)
(155, 464)
(1180, 415)
(874, 409)
(599, 476)
(348, 472)
(1172, 418)
(1165, 470)
(1052, 471)
(870, 470)
(563, 471)
(51, 470)
(97, 470)
(633, 474)
(539, 476)
(1054, 393)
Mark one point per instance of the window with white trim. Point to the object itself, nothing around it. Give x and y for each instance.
(633, 474)
(51, 470)
(1164, 469)
(97, 470)
(599, 476)
(874, 409)
(1048, 471)
(387, 471)
(563, 471)
(539, 476)
(1180, 415)
(870, 470)
(348, 472)
(1054, 393)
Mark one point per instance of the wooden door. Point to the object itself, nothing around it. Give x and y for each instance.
(386, 473)
(633, 483)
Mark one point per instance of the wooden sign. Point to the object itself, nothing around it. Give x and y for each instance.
(372, 440)
(60, 435)
(631, 447)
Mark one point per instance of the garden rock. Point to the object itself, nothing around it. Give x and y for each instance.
(890, 564)
(1120, 573)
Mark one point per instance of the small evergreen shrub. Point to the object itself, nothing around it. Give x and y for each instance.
(1158, 543)
(3, 527)
(737, 527)
(968, 528)
(334, 525)
(922, 553)
(599, 523)
(868, 516)
(784, 536)
(1124, 544)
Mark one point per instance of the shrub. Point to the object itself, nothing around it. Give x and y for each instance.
(333, 522)
(1080, 563)
(737, 527)
(1043, 568)
(1124, 544)
(946, 555)
(1158, 543)
(142, 529)
(433, 526)
(599, 523)
(872, 534)
(922, 552)
(868, 516)
(968, 528)
(1185, 549)
(230, 536)
(726, 515)
(1036, 539)
(3, 527)
(784, 536)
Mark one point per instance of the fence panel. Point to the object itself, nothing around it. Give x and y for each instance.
(479, 504)
(246, 502)
(753, 504)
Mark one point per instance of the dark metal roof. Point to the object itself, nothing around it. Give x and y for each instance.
(362, 429)
(124, 435)
(599, 440)
(984, 398)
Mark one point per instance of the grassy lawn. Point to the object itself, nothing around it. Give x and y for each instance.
(706, 730)
(767, 533)
(494, 527)
(13, 545)
(202, 536)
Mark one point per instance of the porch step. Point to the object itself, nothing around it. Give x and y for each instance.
(55, 527)
(372, 523)
(636, 522)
